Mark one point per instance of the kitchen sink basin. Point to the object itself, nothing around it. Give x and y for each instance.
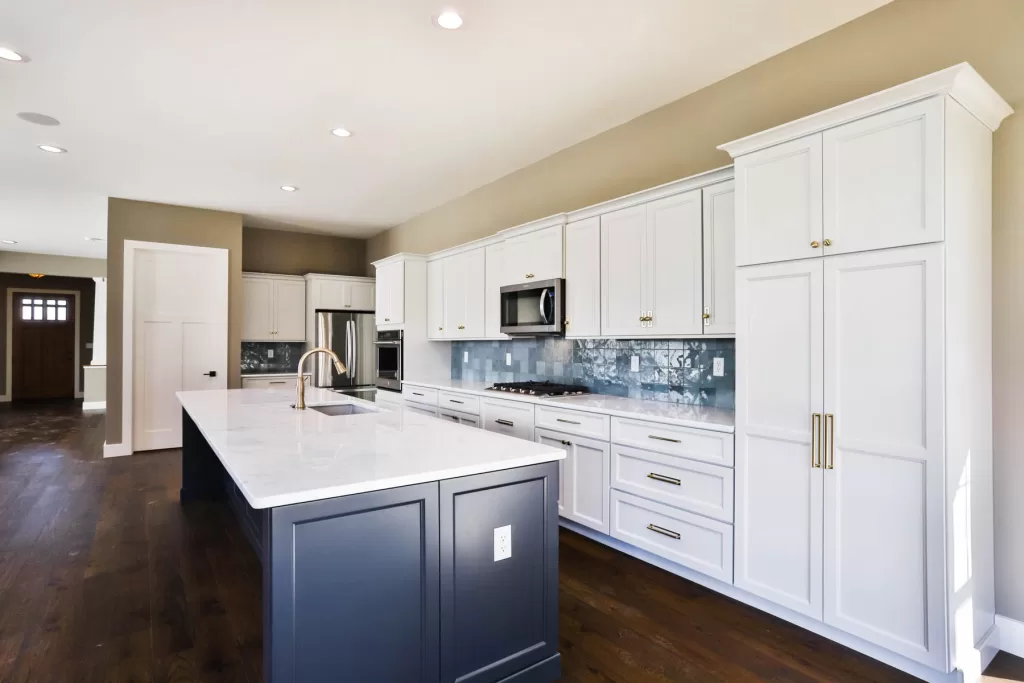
(341, 409)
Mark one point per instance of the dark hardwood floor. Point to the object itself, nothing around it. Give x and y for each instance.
(105, 577)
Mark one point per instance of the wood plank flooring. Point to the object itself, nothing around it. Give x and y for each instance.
(104, 576)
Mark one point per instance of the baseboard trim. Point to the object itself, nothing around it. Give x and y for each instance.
(94, 405)
(1011, 635)
(116, 450)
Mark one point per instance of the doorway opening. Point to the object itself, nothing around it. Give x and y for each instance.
(44, 345)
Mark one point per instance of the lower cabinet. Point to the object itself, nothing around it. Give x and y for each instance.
(421, 409)
(512, 418)
(583, 478)
(459, 418)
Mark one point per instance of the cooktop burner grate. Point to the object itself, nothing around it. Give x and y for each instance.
(539, 388)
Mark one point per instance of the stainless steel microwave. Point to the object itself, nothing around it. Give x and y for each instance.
(533, 309)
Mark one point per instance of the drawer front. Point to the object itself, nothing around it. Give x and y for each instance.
(271, 383)
(696, 444)
(458, 418)
(421, 410)
(702, 544)
(574, 422)
(463, 403)
(512, 418)
(688, 484)
(388, 399)
(423, 395)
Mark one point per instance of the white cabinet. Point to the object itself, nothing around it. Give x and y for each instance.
(278, 384)
(623, 252)
(390, 400)
(583, 495)
(720, 258)
(456, 295)
(535, 255)
(421, 409)
(513, 418)
(338, 294)
(390, 294)
(435, 299)
(494, 279)
(274, 308)
(583, 278)
(458, 418)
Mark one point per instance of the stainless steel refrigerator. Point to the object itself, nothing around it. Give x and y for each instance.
(350, 335)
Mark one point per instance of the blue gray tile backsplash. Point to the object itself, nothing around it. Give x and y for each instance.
(671, 370)
(256, 356)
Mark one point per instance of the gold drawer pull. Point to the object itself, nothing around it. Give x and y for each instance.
(830, 441)
(529, 276)
(661, 477)
(568, 422)
(663, 531)
(663, 438)
(815, 439)
(462, 327)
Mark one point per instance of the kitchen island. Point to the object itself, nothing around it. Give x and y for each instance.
(395, 547)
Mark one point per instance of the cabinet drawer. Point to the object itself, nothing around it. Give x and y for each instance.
(513, 418)
(574, 422)
(271, 383)
(421, 409)
(415, 394)
(689, 484)
(697, 444)
(458, 418)
(463, 403)
(702, 544)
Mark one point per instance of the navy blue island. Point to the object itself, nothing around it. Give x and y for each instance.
(395, 547)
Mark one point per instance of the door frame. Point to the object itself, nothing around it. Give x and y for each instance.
(127, 446)
(9, 361)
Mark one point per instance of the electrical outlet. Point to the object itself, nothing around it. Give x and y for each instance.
(508, 359)
(465, 356)
(634, 364)
(718, 367)
(502, 543)
(270, 353)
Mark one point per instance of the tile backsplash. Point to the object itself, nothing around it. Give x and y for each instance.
(671, 370)
(256, 356)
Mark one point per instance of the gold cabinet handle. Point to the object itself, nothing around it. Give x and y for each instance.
(440, 329)
(462, 327)
(830, 441)
(663, 531)
(661, 477)
(815, 439)
(529, 276)
(827, 242)
(814, 244)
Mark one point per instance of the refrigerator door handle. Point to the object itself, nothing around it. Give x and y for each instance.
(351, 344)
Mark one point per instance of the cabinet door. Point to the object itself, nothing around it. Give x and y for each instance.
(674, 272)
(588, 475)
(623, 251)
(494, 275)
(396, 293)
(535, 256)
(455, 280)
(884, 179)
(290, 310)
(360, 296)
(474, 290)
(547, 437)
(334, 295)
(512, 418)
(779, 349)
(583, 278)
(720, 258)
(382, 297)
(258, 314)
(778, 202)
(884, 491)
(435, 299)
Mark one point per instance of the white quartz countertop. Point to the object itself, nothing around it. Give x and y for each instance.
(697, 417)
(280, 456)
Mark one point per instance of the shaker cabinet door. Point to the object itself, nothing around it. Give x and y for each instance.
(720, 258)
(623, 253)
(290, 310)
(258, 311)
(674, 266)
(583, 278)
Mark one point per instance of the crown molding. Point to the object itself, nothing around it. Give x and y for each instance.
(539, 224)
(675, 187)
(403, 256)
(343, 278)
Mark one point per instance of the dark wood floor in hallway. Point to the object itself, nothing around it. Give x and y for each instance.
(105, 577)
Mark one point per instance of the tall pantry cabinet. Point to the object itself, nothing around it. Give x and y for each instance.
(863, 365)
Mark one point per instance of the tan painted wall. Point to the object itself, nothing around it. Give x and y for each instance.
(296, 253)
(143, 221)
(48, 264)
(894, 44)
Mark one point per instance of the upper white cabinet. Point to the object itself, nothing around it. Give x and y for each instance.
(456, 286)
(623, 252)
(274, 308)
(435, 299)
(535, 255)
(494, 278)
(583, 278)
(390, 307)
(336, 293)
(720, 258)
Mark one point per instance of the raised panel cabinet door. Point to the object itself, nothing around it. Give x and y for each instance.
(623, 256)
(494, 278)
(361, 296)
(583, 278)
(884, 488)
(475, 291)
(778, 202)
(675, 265)
(396, 293)
(382, 295)
(720, 258)
(258, 311)
(290, 310)
(547, 437)
(455, 298)
(435, 299)
(779, 482)
(884, 179)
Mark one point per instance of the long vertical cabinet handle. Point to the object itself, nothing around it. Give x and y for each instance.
(830, 441)
(815, 439)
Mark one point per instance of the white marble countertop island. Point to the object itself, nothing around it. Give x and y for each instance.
(281, 456)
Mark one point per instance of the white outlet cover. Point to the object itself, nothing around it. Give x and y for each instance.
(270, 353)
(718, 367)
(502, 543)
(465, 356)
(508, 359)
(634, 364)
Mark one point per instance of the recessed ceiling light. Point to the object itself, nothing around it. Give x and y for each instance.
(289, 188)
(38, 119)
(8, 241)
(52, 149)
(449, 19)
(10, 55)
(340, 132)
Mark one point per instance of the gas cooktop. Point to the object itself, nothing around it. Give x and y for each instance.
(539, 388)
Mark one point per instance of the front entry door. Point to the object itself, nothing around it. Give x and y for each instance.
(43, 353)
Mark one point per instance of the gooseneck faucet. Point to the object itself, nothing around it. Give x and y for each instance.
(300, 381)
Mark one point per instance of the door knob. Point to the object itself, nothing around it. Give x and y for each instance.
(211, 373)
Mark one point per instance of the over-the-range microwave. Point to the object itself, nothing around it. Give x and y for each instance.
(533, 309)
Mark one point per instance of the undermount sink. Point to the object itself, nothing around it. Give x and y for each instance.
(341, 409)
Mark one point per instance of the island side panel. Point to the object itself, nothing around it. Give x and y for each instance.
(202, 475)
(499, 617)
(351, 588)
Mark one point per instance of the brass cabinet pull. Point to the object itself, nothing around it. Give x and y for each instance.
(462, 327)
(661, 477)
(566, 322)
(663, 438)
(440, 329)
(827, 242)
(663, 531)
(529, 276)
(568, 422)
(814, 244)
(506, 423)
(830, 441)
(815, 439)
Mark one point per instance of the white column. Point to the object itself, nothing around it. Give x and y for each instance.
(99, 323)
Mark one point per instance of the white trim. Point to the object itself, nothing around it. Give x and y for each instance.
(961, 82)
(128, 332)
(276, 276)
(712, 177)
(94, 405)
(539, 224)
(1011, 635)
(9, 361)
(401, 256)
(341, 278)
(481, 243)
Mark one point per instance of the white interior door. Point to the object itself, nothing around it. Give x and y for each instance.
(779, 348)
(720, 258)
(258, 311)
(623, 252)
(883, 554)
(583, 278)
(290, 310)
(179, 339)
(675, 278)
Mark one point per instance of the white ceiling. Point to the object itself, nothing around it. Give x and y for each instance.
(216, 103)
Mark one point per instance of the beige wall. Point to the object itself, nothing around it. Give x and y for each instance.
(143, 221)
(296, 253)
(67, 266)
(896, 43)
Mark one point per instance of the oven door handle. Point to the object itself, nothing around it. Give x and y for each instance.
(387, 343)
